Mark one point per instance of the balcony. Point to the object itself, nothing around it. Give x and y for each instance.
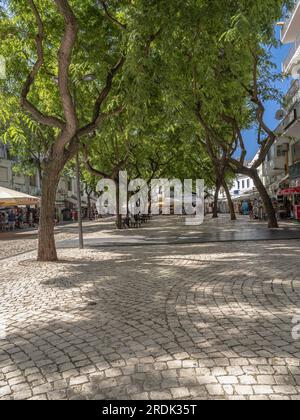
(274, 167)
(293, 95)
(293, 57)
(290, 29)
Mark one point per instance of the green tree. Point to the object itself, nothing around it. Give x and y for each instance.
(214, 67)
(52, 46)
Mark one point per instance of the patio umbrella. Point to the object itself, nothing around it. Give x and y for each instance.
(9, 198)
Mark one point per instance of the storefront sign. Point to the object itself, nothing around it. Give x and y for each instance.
(289, 191)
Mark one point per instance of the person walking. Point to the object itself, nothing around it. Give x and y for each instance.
(11, 220)
(21, 220)
(251, 215)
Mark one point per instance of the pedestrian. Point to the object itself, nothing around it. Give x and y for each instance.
(21, 220)
(251, 211)
(30, 219)
(2, 221)
(11, 220)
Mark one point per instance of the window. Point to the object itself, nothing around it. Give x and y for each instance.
(248, 183)
(70, 185)
(296, 152)
(3, 174)
(239, 185)
(32, 181)
(243, 184)
(281, 150)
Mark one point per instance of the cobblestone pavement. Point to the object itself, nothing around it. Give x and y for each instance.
(190, 321)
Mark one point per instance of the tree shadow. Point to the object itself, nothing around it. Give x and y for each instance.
(158, 318)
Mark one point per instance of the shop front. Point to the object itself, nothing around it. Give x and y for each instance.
(294, 172)
(291, 198)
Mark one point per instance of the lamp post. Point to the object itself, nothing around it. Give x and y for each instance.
(79, 209)
(86, 78)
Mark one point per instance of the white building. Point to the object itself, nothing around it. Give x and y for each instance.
(241, 186)
(290, 34)
(66, 197)
(18, 182)
(282, 168)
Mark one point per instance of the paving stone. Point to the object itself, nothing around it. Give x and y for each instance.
(160, 395)
(5, 390)
(215, 390)
(111, 373)
(247, 380)
(284, 389)
(42, 389)
(243, 390)
(78, 380)
(263, 389)
(181, 392)
(192, 321)
(57, 395)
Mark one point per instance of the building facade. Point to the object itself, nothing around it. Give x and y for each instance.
(287, 147)
(66, 197)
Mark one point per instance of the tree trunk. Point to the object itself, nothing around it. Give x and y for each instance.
(267, 202)
(119, 223)
(216, 199)
(149, 199)
(89, 213)
(46, 241)
(229, 200)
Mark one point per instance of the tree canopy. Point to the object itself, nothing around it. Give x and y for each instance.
(158, 83)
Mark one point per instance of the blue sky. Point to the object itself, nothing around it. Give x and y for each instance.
(279, 54)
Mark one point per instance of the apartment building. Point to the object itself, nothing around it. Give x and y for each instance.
(18, 182)
(283, 164)
(66, 197)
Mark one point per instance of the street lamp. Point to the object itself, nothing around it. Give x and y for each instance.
(86, 78)
(79, 209)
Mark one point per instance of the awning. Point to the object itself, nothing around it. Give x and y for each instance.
(289, 191)
(9, 198)
(247, 195)
(71, 201)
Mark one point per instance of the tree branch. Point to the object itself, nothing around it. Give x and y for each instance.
(89, 166)
(94, 125)
(36, 114)
(64, 61)
(238, 133)
(110, 17)
(149, 42)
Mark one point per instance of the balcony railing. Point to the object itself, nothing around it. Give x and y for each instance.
(293, 95)
(287, 61)
(288, 19)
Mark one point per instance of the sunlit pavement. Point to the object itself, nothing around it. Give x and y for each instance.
(174, 230)
(181, 321)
